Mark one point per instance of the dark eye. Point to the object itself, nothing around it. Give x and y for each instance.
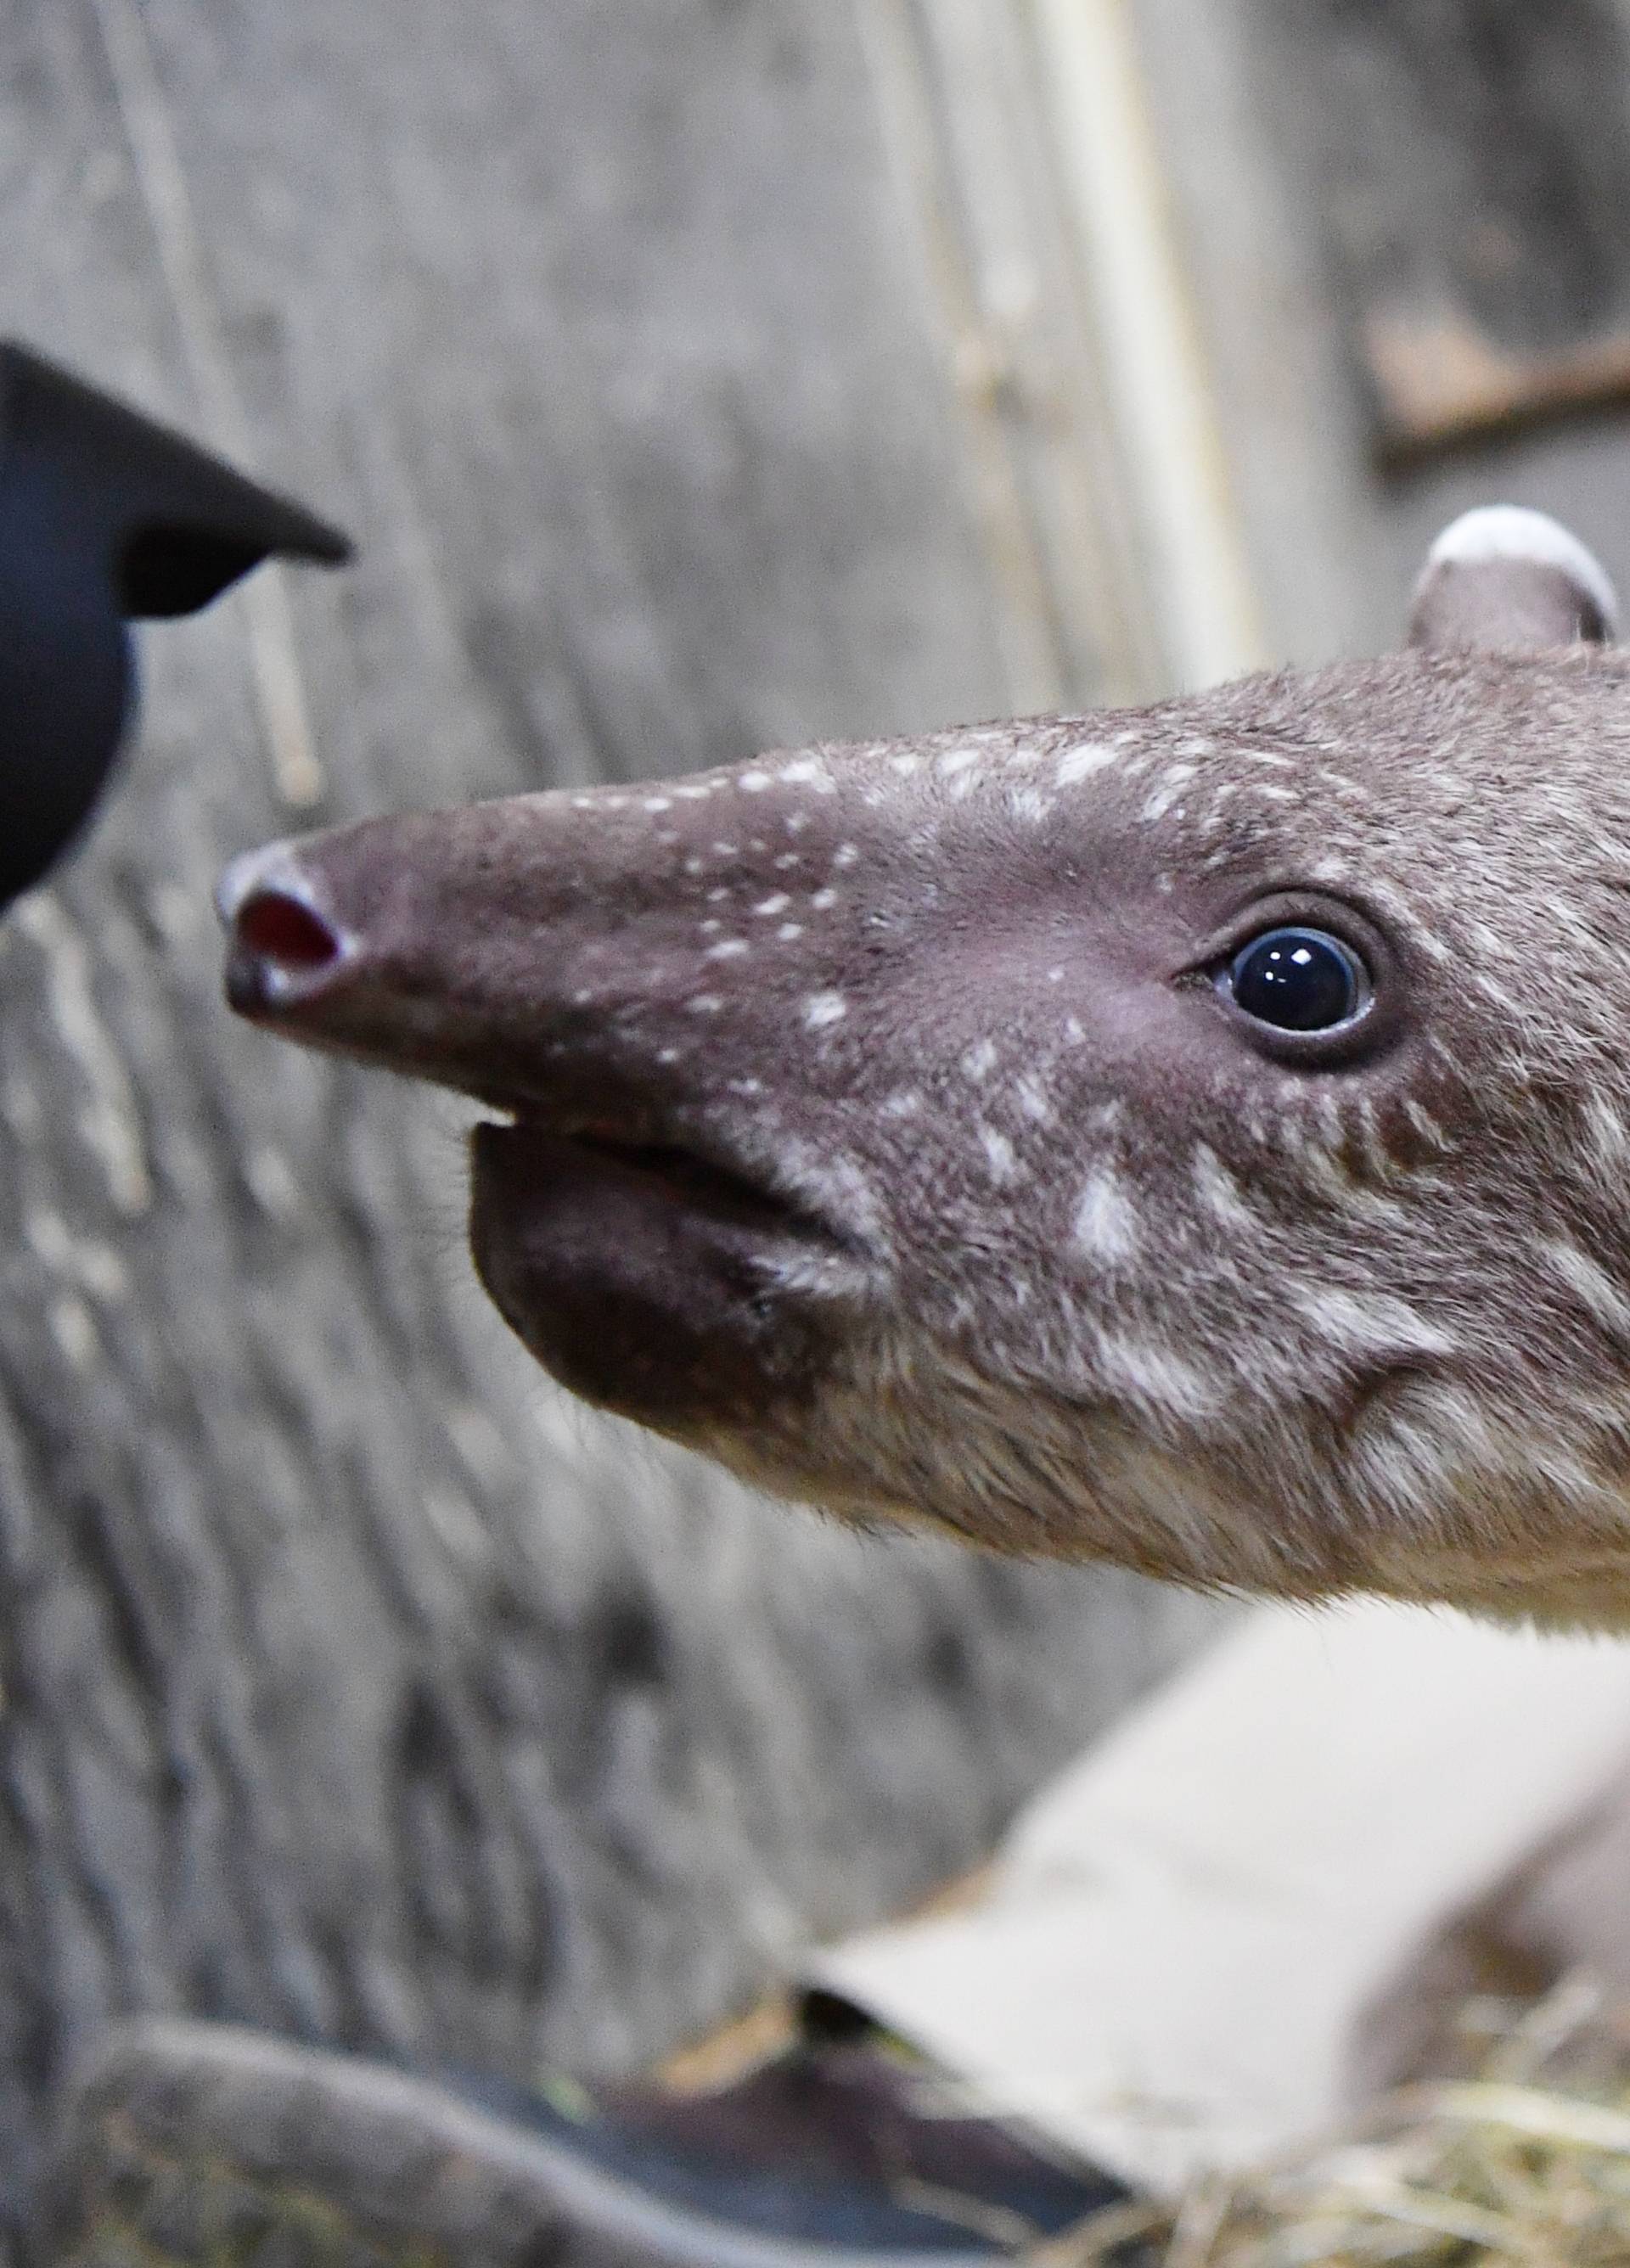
(1298, 979)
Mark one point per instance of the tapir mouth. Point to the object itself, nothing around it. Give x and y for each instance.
(645, 1274)
(667, 1170)
(646, 1240)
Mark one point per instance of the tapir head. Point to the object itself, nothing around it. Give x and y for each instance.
(1196, 1137)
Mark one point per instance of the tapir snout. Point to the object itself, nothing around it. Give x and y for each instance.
(653, 988)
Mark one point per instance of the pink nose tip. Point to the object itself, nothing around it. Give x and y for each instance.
(281, 932)
(284, 947)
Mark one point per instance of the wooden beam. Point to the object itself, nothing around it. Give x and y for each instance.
(1474, 180)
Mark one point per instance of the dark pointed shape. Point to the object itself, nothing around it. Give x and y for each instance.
(105, 516)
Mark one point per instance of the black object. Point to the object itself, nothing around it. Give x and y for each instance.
(104, 517)
(193, 2141)
(845, 2149)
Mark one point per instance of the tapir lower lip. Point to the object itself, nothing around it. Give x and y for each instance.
(657, 1284)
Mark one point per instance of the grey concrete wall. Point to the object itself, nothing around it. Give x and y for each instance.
(1259, 129)
(354, 1685)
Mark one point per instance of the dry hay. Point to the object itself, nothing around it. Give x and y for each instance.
(1527, 2162)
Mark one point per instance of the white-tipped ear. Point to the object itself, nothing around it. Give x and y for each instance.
(1510, 580)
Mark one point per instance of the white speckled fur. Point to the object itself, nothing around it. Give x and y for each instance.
(1108, 1274)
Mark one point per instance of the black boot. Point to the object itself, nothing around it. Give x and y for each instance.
(192, 2142)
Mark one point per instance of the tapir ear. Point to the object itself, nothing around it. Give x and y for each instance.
(1511, 581)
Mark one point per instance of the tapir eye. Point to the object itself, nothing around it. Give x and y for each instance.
(1297, 980)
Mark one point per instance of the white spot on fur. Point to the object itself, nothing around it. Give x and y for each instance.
(1426, 1125)
(1608, 1135)
(729, 948)
(753, 782)
(845, 854)
(807, 772)
(835, 1185)
(1370, 1322)
(1595, 1287)
(824, 1008)
(1218, 1191)
(823, 900)
(998, 1151)
(905, 765)
(788, 860)
(955, 761)
(1079, 762)
(980, 1060)
(705, 1003)
(1106, 1222)
(779, 904)
(906, 1104)
(1335, 1185)
(1027, 803)
(1154, 1376)
(788, 931)
(1166, 794)
(658, 803)
(1033, 1100)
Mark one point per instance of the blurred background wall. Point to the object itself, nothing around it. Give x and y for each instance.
(696, 376)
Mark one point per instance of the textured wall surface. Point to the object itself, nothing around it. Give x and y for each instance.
(354, 1685)
(1265, 109)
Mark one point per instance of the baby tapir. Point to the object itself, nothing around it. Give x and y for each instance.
(1196, 1137)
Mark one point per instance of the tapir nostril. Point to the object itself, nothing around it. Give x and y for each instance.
(282, 931)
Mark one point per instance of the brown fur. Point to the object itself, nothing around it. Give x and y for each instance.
(1029, 1232)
